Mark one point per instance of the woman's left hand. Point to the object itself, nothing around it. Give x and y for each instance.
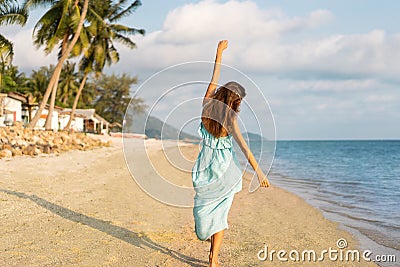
(263, 180)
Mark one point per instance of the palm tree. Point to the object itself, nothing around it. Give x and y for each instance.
(10, 13)
(39, 81)
(68, 48)
(13, 80)
(68, 83)
(102, 33)
(55, 27)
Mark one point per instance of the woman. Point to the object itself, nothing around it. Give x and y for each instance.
(216, 174)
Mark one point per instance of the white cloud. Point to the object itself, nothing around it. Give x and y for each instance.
(192, 31)
(372, 54)
(381, 99)
(26, 55)
(335, 85)
(261, 40)
(267, 40)
(233, 19)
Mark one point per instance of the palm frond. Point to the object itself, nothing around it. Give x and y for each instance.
(115, 8)
(124, 40)
(45, 30)
(114, 56)
(94, 17)
(32, 4)
(126, 30)
(12, 14)
(126, 12)
(85, 65)
(6, 48)
(62, 27)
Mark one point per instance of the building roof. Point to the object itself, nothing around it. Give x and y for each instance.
(6, 111)
(116, 124)
(55, 108)
(69, 112)
(17, 96)
(101, 118)
(89, 113)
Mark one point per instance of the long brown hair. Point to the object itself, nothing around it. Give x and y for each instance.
(220, 110)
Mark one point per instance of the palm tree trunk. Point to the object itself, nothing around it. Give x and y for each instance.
(58, 68)
(49, 118)
(71, 116)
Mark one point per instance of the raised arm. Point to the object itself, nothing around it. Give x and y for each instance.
(222, 45)
(248, 154)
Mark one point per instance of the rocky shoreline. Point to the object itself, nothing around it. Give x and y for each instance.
(18, 141)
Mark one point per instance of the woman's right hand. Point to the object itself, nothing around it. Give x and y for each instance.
(263, 180)
(222, 45)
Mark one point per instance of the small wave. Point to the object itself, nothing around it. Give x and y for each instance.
(337, 203)
(358, 218)
(381, 238)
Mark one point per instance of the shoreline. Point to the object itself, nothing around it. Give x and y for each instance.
(367, 237)
(83, 207)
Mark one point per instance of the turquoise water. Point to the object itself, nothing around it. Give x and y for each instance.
(354, 182)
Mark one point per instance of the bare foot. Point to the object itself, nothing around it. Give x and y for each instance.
(213, 261)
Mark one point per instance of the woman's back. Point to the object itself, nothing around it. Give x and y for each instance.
(223, 134)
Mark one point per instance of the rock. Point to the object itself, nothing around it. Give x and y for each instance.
(18, 124)
(16, 152)
(6, 153)
(29, 150)
(17, 140)
(7, 147)
(37, 151)
(13, 142)
(37, 140)
(47, 149)
(50, 143)
(21, 142)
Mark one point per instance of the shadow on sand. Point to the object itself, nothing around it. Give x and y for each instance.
(123, 234)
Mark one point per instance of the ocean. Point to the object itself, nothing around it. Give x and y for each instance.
(353, 182)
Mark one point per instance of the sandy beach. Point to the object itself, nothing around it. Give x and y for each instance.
(83, 208)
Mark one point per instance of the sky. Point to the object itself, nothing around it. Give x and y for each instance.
(311, 69)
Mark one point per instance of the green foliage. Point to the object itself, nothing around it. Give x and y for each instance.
(88, 95)
(113, 96)
(103, 31)
(68, 85)
(108, 94)
(39, 81)
(11, 80)
(10, 13)
(57, 25)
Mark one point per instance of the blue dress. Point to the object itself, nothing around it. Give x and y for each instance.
(216, 177)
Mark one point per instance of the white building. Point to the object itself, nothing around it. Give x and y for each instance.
(12, 108)
(43, 117)
(76, 124)
(92, 122)
(16, 107)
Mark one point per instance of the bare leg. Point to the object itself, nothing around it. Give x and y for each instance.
(216, 241)
(211, 248)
